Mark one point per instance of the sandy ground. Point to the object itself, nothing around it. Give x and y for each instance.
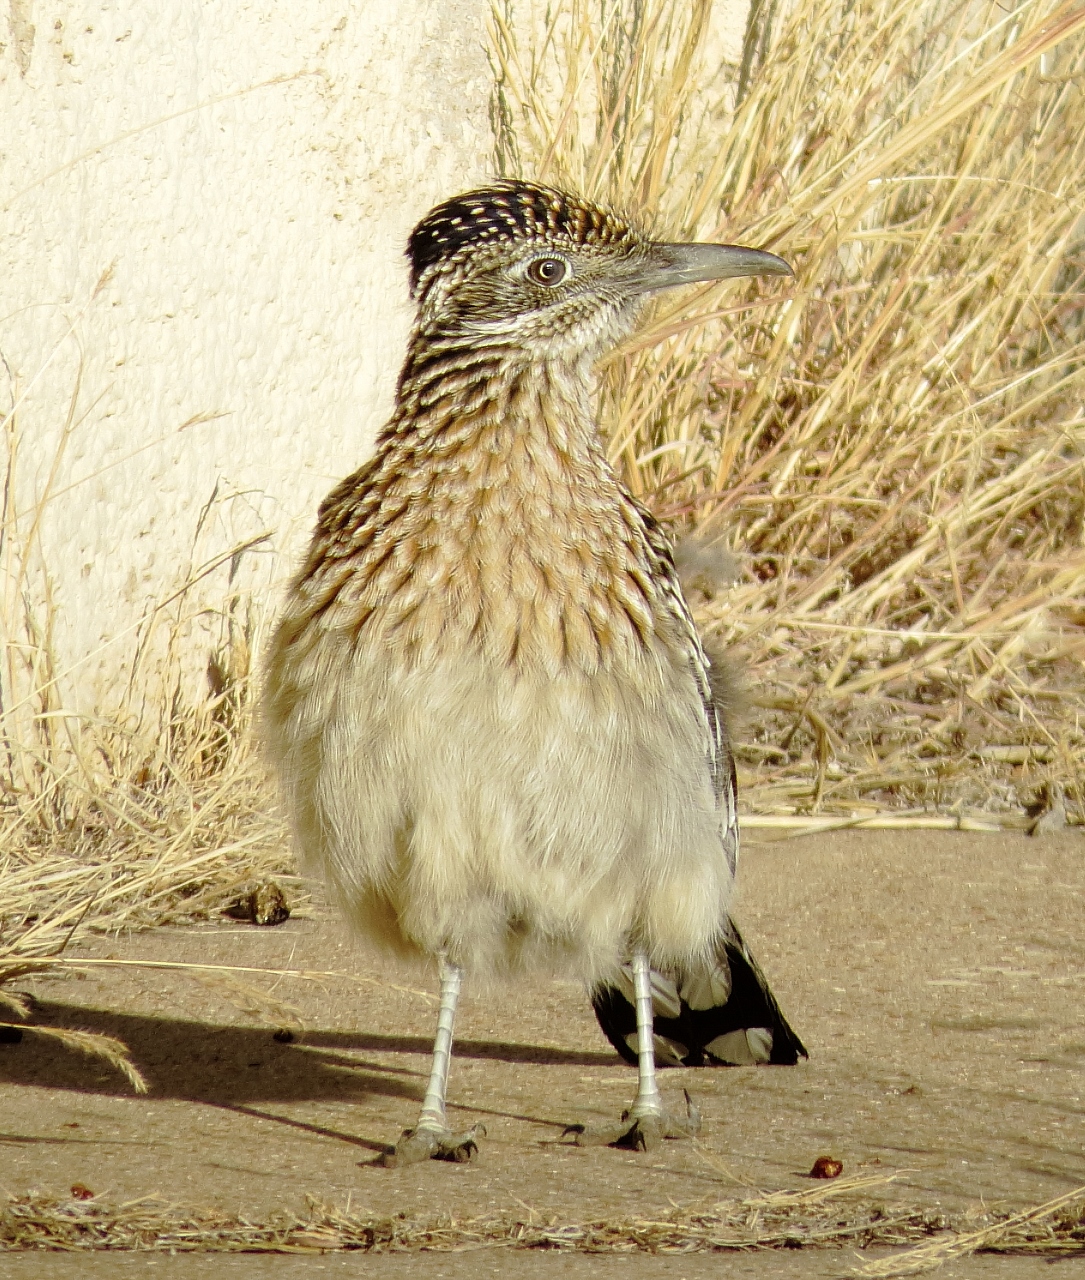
(508, 1265)
(937, 979)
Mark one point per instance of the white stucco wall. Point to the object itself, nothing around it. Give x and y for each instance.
(203, 209)
(252, 236)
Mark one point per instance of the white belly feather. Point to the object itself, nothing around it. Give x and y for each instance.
(506, 819)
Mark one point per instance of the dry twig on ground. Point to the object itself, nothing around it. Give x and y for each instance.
(772, 1221)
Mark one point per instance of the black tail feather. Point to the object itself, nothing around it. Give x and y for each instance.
(707, 1036)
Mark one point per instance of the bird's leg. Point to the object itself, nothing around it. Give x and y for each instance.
(433, 1104)
(646, 1123)
(648, 1104)
(431, 1138)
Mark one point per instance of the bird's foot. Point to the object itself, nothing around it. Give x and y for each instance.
(639, 1133)
(419, 1144)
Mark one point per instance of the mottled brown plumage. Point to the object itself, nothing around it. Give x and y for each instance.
(489, 705)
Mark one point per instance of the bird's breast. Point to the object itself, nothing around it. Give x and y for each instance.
(527, 554)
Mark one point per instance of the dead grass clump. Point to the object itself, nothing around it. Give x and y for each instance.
(105, 826)
(156, 812)
(776, 1221)
(894, 445)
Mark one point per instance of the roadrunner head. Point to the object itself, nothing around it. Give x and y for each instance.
(530, 267)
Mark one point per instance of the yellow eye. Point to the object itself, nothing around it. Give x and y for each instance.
(547, 271)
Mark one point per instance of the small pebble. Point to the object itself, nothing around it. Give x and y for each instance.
(263, 904)
(826, 1167)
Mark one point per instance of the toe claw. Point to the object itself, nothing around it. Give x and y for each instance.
(597, 1135)
(690, 1127)
(638, 1133)
(645, 1133)
(416, 1145)
(460, 1148)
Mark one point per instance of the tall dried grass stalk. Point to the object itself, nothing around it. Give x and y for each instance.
(153, 811)
(894, 445)
(95, 1045)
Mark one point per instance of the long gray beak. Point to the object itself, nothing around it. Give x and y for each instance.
(669, 265)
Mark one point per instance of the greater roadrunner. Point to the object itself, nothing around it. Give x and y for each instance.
(490, 708)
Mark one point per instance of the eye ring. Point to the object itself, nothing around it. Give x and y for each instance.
(547, 271)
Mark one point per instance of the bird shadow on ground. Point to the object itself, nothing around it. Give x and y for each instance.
(238, 1068)
(231, 1066)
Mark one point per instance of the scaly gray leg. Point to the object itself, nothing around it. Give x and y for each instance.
(431, 1138)
(646, 1123)
(648, 1104)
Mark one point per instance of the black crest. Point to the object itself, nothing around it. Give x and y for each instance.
(508, 211)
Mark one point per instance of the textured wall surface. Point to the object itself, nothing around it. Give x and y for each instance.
(203, 207)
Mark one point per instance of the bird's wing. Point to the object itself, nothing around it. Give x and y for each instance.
(721, 763)
(722, 1012)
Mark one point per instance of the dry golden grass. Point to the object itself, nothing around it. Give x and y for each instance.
(893, 446)
(156, 812)
(124, 822)
(840, 1215)
(149, 812)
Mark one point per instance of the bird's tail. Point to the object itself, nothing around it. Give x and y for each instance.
(719, 1016)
